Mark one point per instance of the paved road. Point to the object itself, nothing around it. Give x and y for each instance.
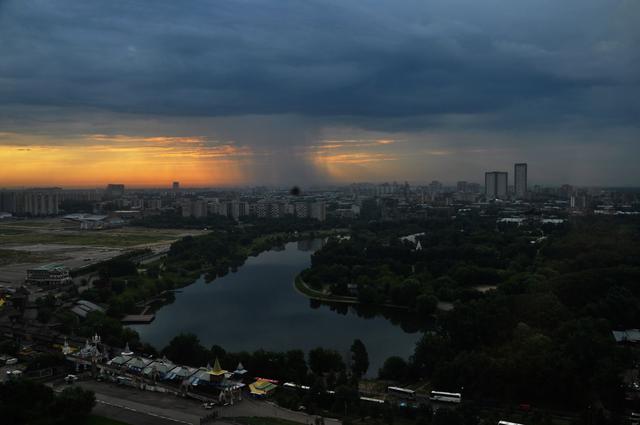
(129, 416)
(167, 414)
(138, 407)
(251, 407)
(142, 407)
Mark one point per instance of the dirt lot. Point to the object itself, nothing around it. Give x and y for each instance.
(28, 243)
(54, 231)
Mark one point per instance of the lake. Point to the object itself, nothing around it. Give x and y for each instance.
(258, 307)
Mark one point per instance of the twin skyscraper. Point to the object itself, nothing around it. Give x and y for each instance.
(496, 183)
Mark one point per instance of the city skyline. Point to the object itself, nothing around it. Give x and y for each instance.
(518, 186)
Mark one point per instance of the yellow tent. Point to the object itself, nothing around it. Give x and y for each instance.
(262, 388)
(217, 370)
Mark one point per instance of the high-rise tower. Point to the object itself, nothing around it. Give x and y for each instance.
(520, 180)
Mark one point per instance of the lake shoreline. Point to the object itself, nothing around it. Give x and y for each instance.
(303, 289)
(224, 313)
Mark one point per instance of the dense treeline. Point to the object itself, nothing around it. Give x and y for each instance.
(455, 257)
(284, 366)
(542, 335)
(27, 402)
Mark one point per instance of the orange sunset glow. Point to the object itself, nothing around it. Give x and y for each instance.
(138, 161)
(153, 161)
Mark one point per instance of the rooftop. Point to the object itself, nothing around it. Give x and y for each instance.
(50, 267)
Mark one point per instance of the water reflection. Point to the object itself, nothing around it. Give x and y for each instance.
(409, 322)
(257, 307)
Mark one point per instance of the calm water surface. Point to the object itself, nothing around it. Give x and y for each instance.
(258, 307)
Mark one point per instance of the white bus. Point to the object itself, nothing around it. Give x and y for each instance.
(508, 423)
(294, 386)
(445, 397)
(401, 392)
(372, 400)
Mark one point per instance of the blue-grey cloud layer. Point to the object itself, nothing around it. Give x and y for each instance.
(385, 65)
(347, 57)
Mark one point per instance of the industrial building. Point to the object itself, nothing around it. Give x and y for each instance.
(49, 274)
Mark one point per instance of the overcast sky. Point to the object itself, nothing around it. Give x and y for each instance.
(231, 92)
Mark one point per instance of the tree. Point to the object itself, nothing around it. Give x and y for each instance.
(359, 358)
(73, 405)
(367, 295)
(296, 365)
(186, 349)
(323, 361)
(394, 368)
(28, 402)
(46, 306)
(318, 392)
(108, 328)
(118, 267)
(447, 417)
(217, 352)
(426, 304)
(431, 350)
(45, 360)
(8, 347)
(345, 397)
(24, 401)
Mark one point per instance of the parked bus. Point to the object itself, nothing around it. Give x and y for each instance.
(372, 400)
(294, 386)
(401, 392)
(508, 423)
(445, 397)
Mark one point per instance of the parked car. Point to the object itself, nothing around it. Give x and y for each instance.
(70, 379)
(208, 405)
(124, 380)
(11, 361)
(12, 374)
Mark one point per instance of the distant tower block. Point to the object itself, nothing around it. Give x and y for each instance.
(496, 185)
(520, 183)
(176, 186)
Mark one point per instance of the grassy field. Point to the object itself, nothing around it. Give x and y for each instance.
(114, 240)
(6, 231)
(52, 232)
(31, 223)
(101, 420)
(9, 256)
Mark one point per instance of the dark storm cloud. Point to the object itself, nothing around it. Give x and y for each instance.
(466, 85)
(378, 62)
